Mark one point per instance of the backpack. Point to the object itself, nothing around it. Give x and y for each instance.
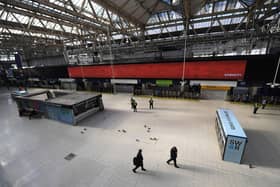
(135, 161)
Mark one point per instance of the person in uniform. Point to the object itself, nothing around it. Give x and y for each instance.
(131, 102)
(256, 107)
(134, 106)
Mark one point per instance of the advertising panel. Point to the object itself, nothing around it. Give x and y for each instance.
(214, 70)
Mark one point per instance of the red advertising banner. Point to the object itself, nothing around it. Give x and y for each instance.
(224, 70)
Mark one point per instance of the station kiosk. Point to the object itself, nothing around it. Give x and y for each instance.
(231, 136)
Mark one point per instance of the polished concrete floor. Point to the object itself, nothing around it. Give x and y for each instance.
(32, 151)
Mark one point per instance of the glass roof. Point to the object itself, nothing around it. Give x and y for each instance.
(64, 19)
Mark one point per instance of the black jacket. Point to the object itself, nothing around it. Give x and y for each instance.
(139, 158)
(173, 153)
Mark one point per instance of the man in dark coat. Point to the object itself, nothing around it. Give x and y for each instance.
(151, 102)
(139, 161)
(173, 156)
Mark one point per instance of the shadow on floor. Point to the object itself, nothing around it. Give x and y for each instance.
(260, 150)
(194, 168)
(144, 111)
(268, 113)
(3, 181)
(157, 174)
(171, 109)
(273, 107)
(163, 108)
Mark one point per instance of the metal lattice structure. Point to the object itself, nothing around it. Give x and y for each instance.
(38, 28)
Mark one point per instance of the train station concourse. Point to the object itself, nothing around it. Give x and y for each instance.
(139, 93)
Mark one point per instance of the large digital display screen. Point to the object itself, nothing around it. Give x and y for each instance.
(218, 70)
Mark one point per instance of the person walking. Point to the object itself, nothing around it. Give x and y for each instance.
(151, 102)
(134, 106)
(132, 102)
(256, 107)
(173, 156)
(263, 103)
(138, 161)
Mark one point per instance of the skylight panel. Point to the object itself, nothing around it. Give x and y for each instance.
(202, 25)
(167, 1)
(220, 6)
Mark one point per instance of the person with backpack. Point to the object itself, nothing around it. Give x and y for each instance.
(138, 161)
(173, 156)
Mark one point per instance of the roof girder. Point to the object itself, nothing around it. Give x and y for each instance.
(112, 7)
(72, 18)
(36, 29)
